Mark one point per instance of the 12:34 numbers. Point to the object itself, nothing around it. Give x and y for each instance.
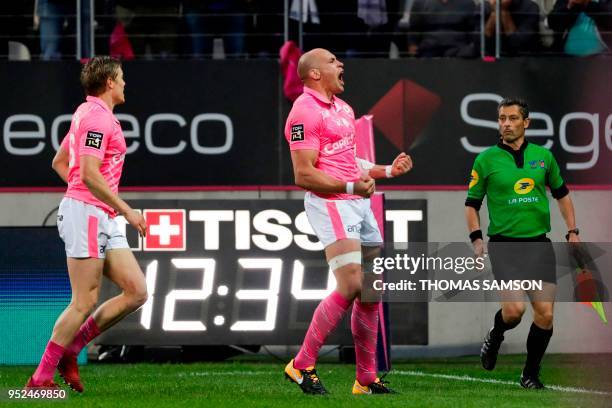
(207, 267)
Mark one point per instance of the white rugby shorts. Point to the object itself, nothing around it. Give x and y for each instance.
(333, 220)
(87, 231)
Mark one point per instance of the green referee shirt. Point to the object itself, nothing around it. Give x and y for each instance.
(515, 185)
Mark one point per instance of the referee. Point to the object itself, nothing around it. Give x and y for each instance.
(513, 175)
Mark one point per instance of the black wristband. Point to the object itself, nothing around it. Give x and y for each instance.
(474, 235)
(572, 231)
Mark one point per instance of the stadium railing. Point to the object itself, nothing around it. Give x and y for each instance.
(255, 31)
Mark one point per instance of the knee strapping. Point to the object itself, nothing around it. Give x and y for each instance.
(345, 259)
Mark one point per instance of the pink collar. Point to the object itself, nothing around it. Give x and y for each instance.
(318, 95)
(95, 99)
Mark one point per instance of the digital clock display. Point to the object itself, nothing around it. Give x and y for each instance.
(244, 272)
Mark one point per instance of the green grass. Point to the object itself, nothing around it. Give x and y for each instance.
(246, 383)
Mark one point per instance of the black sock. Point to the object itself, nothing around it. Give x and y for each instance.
(499, 327)
(537, 342)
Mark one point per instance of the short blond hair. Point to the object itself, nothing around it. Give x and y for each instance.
(95, 73)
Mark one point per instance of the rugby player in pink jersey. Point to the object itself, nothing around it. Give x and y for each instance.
(90, 161)
(320, 131)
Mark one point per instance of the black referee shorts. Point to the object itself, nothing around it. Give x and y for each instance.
(522, 258)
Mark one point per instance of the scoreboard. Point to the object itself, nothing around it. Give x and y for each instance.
(244, 272)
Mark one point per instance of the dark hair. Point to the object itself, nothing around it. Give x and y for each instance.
(523, 107)
(95, 73)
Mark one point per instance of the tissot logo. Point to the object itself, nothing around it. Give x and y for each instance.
(166, 230)
(217, 230)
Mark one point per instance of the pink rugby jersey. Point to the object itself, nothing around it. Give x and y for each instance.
(96, 132)
(316, 123)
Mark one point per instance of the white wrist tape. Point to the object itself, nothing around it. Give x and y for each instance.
(364, 164)
(350, 187)
(388, 170)
(345, 259)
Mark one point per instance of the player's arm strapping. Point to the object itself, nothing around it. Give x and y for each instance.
(401, 165)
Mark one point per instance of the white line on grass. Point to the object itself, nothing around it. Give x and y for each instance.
(221, 373)
(493, 381)
(409, 373)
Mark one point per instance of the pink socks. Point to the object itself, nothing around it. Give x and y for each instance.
(364, 325)
(48, 363)
(88, 331)
(325, 318)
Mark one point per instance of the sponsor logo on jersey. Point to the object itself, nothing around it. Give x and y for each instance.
(297, 133)
(473, 179)
(94, 139)
(524, 186)
(340, 145)
(537, 164)
(118, 158)
(523, 200)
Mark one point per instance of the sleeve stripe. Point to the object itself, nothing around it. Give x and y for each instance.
(559, 192)
(474, 203)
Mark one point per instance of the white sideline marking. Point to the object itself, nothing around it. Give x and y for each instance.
(208, 373)
(410, 373)
(493, 381)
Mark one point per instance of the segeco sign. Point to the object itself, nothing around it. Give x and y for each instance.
(26, 134)
(542, 127)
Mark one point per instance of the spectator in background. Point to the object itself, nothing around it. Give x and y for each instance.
(546, 33)
(317, 23)
(354, 28)
(267, 25)
(582, 27)
(443, 28)
(519, 27)
(193, 15)
(106, 22)
(154, 27)
(51, 16)
(224, 19)
(17, 26)
(380, 18)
